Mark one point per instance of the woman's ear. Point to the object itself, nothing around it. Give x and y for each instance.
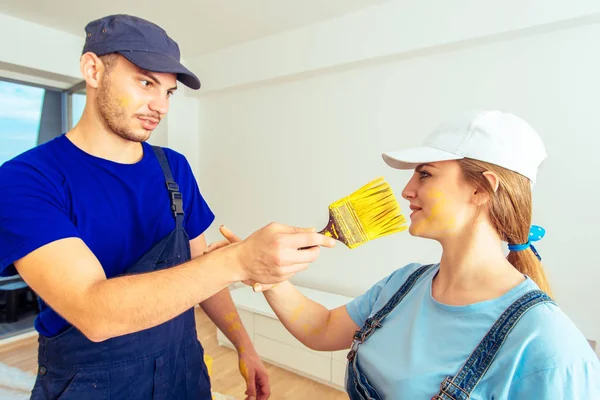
(481, 196)
(493, 179)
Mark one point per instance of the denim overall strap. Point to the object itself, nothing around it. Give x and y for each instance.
(374, 322)
(357, 385)
(172, 186)
(460, 386)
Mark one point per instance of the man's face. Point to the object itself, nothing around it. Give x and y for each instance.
(132, 101)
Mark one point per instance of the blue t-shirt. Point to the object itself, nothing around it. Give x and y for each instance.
(56, 191)
(422, 341)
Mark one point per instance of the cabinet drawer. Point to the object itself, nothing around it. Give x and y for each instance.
(341, 355)
(273, 329)
(290, 357)
(338, 373)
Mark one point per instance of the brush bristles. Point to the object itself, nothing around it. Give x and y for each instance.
(369, 213)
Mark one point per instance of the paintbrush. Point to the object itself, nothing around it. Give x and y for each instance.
(369, 213)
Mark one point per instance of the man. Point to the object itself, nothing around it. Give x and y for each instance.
(108, 231)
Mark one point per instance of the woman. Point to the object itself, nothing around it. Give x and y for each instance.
(477, 323)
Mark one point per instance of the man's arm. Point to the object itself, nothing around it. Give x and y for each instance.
(220, 308)
(67, 275)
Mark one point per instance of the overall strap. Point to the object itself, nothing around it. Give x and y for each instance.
(374, 322)
(460, 386)
(172, 187)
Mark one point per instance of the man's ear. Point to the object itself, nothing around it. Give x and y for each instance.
(92, 69)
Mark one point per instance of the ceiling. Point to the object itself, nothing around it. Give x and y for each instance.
(199, 26)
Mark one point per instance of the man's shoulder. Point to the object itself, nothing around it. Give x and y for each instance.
(41, 160)
(175, 157)
(169, 152)
(180, 166)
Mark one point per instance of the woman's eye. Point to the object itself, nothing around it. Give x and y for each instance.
(146, 83)
(423, 174)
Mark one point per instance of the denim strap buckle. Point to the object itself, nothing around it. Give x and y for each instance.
(176, 198)
(353, 350)
(448, 386)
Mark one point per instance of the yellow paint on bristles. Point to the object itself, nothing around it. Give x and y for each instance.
(369, 213)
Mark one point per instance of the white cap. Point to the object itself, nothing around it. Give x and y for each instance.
(495, 137)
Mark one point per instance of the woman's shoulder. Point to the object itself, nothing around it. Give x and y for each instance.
(547, 338)
(399, 276)
(376, 296)
(394, 281)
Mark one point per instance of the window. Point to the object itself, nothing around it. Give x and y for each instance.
(77, 106)
(31, 115)
(20, 116)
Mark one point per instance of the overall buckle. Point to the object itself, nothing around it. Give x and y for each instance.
(176, 198)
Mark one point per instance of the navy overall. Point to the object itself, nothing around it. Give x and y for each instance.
(459, 386)
(163, 362)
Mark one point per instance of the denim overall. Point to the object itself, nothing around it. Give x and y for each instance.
(459, 386)
(163, 362)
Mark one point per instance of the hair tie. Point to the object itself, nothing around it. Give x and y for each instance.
(535, 234)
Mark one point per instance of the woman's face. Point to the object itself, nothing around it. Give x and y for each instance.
(440, 199)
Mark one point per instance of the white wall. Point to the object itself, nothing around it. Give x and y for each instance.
(281, 145)
(184, 128)
(38, 54)
(402, 27)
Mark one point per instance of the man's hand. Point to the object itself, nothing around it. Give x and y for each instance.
(275, 253)
(230, 238)
(255, 374)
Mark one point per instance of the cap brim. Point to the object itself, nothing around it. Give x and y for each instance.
(412, 157)
(157, 62)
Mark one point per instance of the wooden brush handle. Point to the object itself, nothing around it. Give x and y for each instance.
(327, 231)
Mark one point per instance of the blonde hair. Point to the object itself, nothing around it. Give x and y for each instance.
(510, 210)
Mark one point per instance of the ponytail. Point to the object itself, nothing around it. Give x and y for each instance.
(510, 211)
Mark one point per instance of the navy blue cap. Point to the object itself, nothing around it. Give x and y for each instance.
(143, 43)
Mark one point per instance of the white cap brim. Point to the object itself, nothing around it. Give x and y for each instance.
(412, 157)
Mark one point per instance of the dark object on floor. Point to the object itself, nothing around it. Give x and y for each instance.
(18, 297)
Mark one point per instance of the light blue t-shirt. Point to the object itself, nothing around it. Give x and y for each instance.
(423, 341)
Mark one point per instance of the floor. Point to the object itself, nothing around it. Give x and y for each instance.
(24, 324)
(21, 356)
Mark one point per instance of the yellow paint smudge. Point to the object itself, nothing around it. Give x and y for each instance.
(233, 322)
(230, 316)
(436, 220)
(234, 327)
(244, 369)
(296, 313)
(124, 102)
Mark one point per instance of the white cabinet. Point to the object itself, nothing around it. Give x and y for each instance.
(276, 345)
(339, 362)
